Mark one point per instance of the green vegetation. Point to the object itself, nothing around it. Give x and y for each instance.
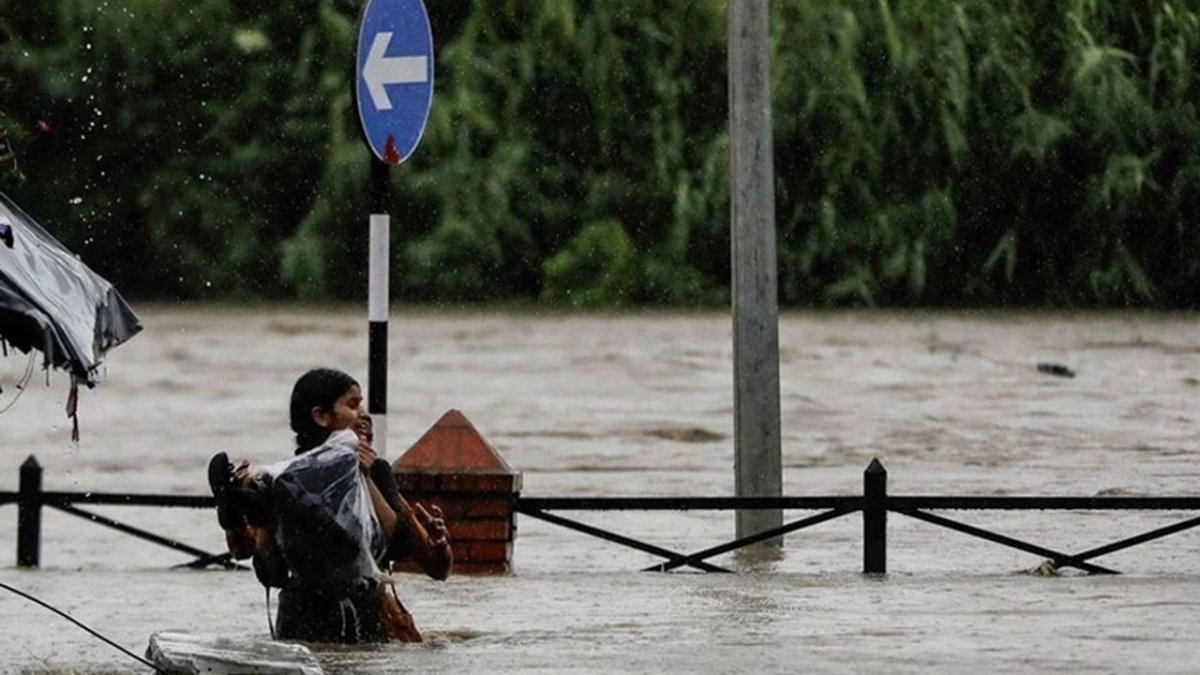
(927, 152)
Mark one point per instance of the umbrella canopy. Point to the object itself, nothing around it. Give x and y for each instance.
(52, 302)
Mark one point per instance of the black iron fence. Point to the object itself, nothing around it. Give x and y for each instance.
(875, 504)
(30, 498)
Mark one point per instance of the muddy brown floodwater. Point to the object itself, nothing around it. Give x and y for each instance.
(640, 405)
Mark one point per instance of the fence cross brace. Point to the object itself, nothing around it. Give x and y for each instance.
(203, 558)
(1060, 559)
(793, 526)
(670, 555)
(223, 559)
(1131, 541)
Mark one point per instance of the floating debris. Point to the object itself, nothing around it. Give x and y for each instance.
(1055, 369)
(687, 435)
(187, 653)
(1046, 569)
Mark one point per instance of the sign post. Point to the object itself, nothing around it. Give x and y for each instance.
(393, 90)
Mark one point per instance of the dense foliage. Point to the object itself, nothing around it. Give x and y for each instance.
(944, 152)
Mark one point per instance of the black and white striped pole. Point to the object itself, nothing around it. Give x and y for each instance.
(393, 91)
(377, 303)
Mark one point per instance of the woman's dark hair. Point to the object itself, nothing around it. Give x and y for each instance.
(318, 388)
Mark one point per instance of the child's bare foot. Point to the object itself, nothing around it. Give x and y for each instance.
(222, 479)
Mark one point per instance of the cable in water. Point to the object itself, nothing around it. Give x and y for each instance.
(75, 621)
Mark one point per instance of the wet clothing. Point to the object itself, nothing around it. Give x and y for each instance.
(321, 602)
(366, 612)
(349, 614)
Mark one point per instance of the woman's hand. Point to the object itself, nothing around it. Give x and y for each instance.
(431, 545)
(366, 456)
(434, 523)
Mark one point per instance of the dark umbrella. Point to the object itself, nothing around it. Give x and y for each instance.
(52, 302)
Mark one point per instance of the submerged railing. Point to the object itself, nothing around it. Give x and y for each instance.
(875, 503)
(30, 498)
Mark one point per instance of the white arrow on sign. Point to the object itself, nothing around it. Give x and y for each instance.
(380, 71)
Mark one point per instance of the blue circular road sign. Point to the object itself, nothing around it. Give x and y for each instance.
(395, 76)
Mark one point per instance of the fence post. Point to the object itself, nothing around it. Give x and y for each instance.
(454, 468)
(875, 519)
(29, 514)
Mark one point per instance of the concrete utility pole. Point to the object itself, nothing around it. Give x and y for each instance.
(757, 462)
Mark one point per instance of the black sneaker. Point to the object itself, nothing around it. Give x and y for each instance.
(223, 482)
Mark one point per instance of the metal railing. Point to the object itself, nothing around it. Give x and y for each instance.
(875, 503)
(30, 498)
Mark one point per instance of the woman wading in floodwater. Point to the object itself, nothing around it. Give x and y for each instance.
(313, 533)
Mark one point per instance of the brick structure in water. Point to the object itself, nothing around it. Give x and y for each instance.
(453, 467)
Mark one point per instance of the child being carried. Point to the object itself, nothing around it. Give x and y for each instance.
(325, 525)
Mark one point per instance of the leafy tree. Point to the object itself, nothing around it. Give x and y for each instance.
(927, 152)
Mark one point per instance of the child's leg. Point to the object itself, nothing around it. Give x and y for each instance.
(385, 480)
(240, 543)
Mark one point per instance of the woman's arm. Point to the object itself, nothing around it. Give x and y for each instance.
(431, 547)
